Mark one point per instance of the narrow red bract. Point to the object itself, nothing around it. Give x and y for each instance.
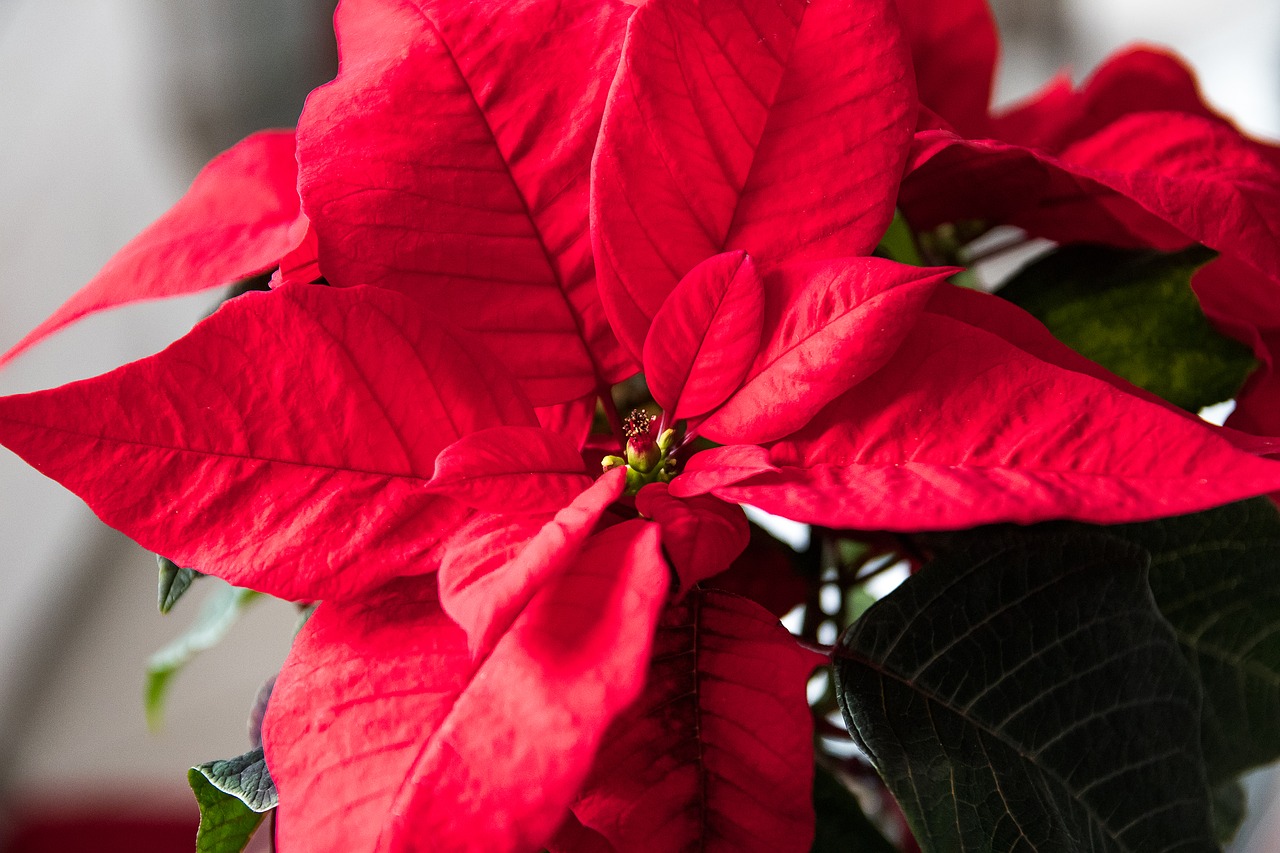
(705, 335)
(240, 216)
(701, 535)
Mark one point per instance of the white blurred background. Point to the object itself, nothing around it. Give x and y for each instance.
(107, 110)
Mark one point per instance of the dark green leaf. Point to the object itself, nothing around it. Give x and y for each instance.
(1134, 313)
(220, 611)
(841, 824)
(174, 581)
(1216, 578)
(1029, 696)
(234, 797)
(245, 777)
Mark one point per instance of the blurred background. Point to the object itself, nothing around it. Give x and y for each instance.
(108, 109)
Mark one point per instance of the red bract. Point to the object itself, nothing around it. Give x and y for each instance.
(1134, 157)
(449, 161)
(276, 445)
(923, 444)
(384, 733)
(778, 129)
(239, 217)
(479, 674)
(706, 759)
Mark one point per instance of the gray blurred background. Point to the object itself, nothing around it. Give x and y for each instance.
(107, 110)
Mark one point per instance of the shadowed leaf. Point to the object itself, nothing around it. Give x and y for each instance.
(174, 583)
(1029, 696)
(1134, 313)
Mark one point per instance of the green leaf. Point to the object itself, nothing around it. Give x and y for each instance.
(841, 824)
(220, 611)
(898, 243)
(1028, 695)
(1134, 313)
(1216, 578)
(234, 796)
(174, 581)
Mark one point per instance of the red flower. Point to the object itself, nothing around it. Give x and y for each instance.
(1132, 158)
(496, 663)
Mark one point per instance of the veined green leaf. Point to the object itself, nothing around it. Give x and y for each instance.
(234, 796)
(1028, 695)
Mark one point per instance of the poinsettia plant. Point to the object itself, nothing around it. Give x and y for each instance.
(549, 293)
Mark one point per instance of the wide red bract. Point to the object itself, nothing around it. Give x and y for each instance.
(449, 160)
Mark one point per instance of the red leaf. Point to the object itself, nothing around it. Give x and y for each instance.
(954, 45)
(510, 469)
(237, 219)
(778, 128)
(573, 837)
(284, 444)
(383, 733)
(301, 264)
(572, 419)
(716, 754)
(830, 325)
(702, 535)
(492, 567)
(766, 573)
(951, 179)
(717, 467)
(1196, 174)
(1148, 179)
(962, 428)
(450, 161)
(705, 336)
(1137, 80)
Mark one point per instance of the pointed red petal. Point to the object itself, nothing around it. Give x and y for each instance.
(962, 428)
(284, 444)
(953, 48)
(510, 469)
(572, 419)
(716, 754)
(776, 128)
(721, 466)
(492, 568)
(449, 160)
(383, 733)
(705, 336)
(237, 219)
(831, 324)
(701, 535)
